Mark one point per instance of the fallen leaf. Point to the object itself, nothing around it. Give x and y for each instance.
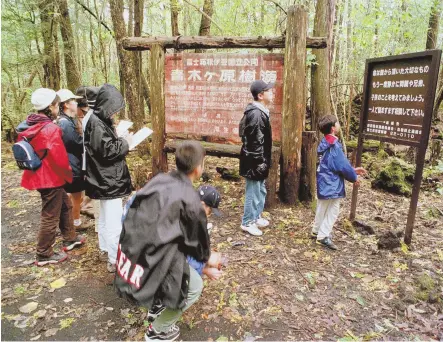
(66, 323)
(222, 338)
(360, 300)
(51, 332)
(56, 284)
(67, 300)
(40, 314)
(29, 307)
(35, 338)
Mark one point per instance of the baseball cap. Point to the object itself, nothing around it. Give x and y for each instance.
(42, 98)
(211, 197)
(88, 96)
(259, 86)
(66, 94)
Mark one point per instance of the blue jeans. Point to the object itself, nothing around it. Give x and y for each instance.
(255, 196)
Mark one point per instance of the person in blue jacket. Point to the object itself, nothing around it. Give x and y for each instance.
(332, 171)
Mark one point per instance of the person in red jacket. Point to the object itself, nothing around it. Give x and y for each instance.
(46, 139)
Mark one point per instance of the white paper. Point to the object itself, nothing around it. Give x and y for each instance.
(122, 127)
(141, 135)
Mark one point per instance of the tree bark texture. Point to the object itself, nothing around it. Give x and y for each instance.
(196, 42)
(157, 86)
(294, 102)
(73, 78)
(135, 113)
(205, 25)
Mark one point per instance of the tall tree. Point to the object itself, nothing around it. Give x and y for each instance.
(51, 67)
(174, 17)
(73, 77)
(320, 71)
(205, 24)
(126, 65)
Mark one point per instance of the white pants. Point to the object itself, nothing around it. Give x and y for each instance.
(325, 217)
(110, 227)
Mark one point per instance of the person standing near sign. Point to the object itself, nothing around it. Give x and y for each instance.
(107, 174)
(255, 155)
(332, 171)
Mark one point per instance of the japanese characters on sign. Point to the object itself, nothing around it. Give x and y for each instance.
(206, 94)
(396, 99)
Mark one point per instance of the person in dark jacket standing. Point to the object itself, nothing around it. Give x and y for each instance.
(164, 224)
(73, 140)
(107, 174)
(55, 171)
(255, 155)
(332, 171)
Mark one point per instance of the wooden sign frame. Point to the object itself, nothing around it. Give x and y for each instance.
(435, 56)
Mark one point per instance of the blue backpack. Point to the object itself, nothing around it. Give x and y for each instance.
(25, 156)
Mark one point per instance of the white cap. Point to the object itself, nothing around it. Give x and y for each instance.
(66, 94)
(42, 98)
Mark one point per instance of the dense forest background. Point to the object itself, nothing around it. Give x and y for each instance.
(68, 43)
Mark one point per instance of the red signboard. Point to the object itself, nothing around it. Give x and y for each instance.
(206, 93)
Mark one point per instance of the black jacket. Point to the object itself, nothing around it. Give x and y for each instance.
(73, 142)
(107, 174)
(255, 132)
(165, 223)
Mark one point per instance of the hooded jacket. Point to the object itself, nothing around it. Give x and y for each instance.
(107, 174)
(165, 223)
(333, 169)
(255, 132)
(73, 142)
(46, 139)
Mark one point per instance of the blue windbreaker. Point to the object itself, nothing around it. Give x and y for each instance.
(333, 169)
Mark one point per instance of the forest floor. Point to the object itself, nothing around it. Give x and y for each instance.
(280, 286)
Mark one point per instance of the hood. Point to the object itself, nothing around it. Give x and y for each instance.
(109, 101)
(33, 124)
(326, 143)
(252, 106)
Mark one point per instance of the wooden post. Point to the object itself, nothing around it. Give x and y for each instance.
(271, 182)
(294, 102)
(309, 166)
(157, 82)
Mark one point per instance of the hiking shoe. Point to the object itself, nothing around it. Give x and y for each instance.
(169, 335)
(155, 311)
(53, 259)
(111, 267)
(262, 222)
(327, 242)
(313, 235)
(252, 229)
(76, 243)
(83, 226)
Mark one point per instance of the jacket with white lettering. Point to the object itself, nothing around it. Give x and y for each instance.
(165, 223)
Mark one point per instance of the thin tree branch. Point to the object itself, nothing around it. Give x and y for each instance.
(278, 5)
(203, 13)
(95, 16)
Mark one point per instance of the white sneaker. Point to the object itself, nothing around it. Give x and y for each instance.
(252, 229)
(262, 222)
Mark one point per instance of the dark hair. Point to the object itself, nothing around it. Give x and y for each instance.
(47, 111)
(188, 156)
(255, 96)
(326, 123)
(62, 104)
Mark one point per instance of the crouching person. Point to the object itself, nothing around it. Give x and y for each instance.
(164, 225)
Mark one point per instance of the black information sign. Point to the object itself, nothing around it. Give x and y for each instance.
(398, 101)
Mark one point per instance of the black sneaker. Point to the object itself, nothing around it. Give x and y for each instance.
(77, 242)
(170, 335)
(155, 311)
(313, 235)
(327, 242)
(53, 259)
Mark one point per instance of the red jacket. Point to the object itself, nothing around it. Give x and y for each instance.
(46, 136)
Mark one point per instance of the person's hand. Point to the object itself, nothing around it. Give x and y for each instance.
(357, 182)
(212, 273)
(214, 259)
(128, 138)
(360, 171)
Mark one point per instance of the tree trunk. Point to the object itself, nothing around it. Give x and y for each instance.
(73, 78)
(309, 167)
(377, 12)
(138, 24)
(431, 37)
(205, 25)
(130, 17)
(126, 65)
(294, 102)
(320, 72)
(51, 74)
(174, 17)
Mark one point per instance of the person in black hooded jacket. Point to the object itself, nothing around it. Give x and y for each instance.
(107, 174)
(255, 155)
